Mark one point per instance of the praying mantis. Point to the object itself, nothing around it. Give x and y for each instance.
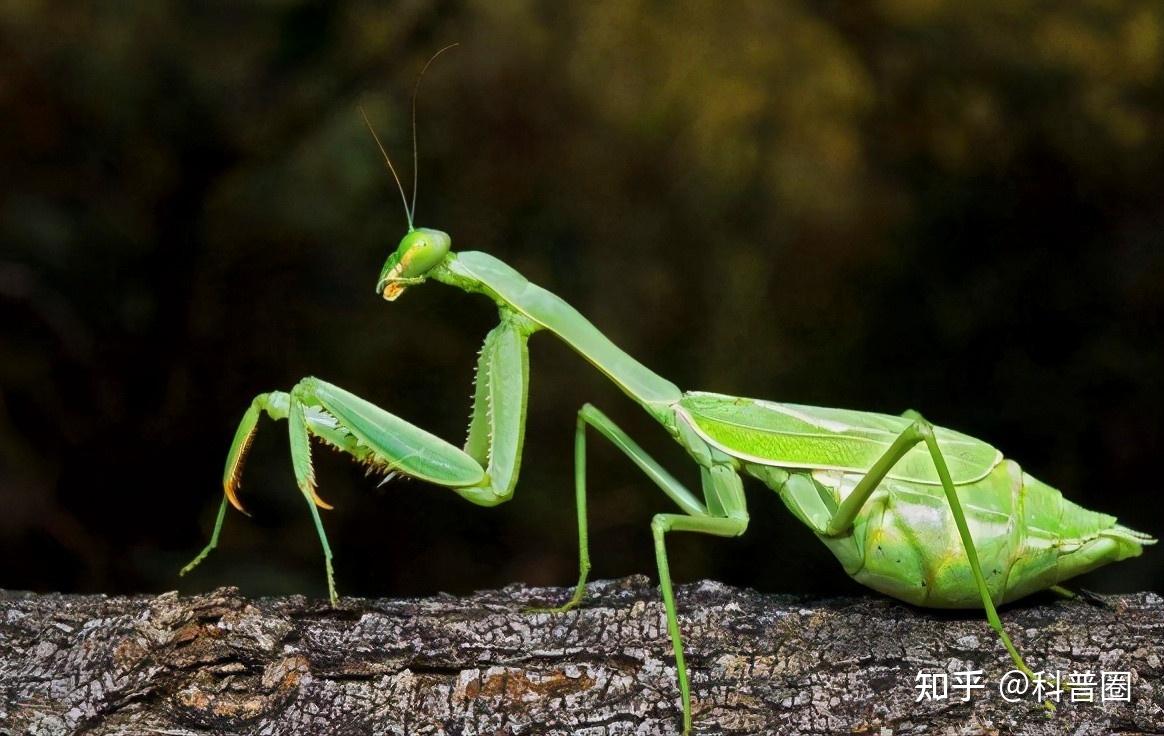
(925, 514)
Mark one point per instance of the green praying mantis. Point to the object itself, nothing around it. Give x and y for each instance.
(922, 513)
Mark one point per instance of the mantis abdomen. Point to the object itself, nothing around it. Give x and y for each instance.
(904, 541)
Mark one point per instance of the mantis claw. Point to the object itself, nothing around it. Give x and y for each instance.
(239, 447)
(315, 498)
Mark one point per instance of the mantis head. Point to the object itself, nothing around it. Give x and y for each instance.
(422, 248)
(419, 251)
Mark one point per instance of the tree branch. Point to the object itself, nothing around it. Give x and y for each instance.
(219, 663)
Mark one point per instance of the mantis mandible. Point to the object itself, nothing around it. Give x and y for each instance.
(922, 513)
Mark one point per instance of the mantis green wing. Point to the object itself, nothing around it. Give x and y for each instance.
(819, 438)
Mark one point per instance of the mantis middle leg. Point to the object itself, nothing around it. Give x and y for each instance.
(676, 491)
(724, 515)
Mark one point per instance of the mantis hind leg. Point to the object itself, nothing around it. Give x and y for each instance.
(922, 431)
(927, 434)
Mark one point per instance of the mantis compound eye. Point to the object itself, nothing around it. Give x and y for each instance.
(419, 251)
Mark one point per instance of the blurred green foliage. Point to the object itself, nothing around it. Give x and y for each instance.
(948, 206)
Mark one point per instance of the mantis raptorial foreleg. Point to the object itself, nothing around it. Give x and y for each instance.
(198, 558)
(922, 431)
(497, 425)
(276, 405)
(484, 473)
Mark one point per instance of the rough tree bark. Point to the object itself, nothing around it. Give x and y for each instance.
(219, 663)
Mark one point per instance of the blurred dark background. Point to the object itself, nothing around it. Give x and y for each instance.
(878, 205)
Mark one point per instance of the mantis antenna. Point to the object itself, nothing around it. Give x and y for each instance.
(391, 168)
(415, 158)
(408, 210)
